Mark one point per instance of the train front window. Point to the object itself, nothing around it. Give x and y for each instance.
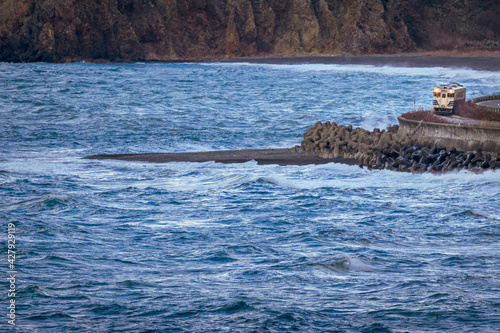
(451, 95)
(443, 96)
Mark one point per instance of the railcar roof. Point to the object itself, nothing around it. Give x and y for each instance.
(454, 85)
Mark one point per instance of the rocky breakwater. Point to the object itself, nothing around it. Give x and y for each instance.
(388, 149)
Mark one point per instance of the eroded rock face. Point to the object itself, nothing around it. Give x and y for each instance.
(390, 150)
(131, 30)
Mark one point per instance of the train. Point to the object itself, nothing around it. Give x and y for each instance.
(447, 97)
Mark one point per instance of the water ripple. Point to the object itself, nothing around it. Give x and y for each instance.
(183, 247)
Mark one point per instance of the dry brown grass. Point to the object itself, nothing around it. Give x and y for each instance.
(427, 116)
(465, 110)
(472, 111)
(469, 52)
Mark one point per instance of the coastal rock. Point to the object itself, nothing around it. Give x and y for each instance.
(134, 30)
(138, 30)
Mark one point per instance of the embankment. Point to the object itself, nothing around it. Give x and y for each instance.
(393, 149)
(467, 135)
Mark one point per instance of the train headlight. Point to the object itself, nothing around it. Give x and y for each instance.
(451, 91)
(437, 90)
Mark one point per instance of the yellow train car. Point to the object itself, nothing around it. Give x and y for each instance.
(446, 97)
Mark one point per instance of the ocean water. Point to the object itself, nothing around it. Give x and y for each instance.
(108, 246)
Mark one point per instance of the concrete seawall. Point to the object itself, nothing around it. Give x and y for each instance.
(466, 137)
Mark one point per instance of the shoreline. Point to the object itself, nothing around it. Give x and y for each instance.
(486, 63)
(477, 60)
(282, 157)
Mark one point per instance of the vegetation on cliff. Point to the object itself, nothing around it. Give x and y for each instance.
(131, 30)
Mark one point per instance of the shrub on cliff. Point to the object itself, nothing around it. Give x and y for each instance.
(472, 111)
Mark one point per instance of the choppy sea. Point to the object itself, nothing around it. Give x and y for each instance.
(108, 246)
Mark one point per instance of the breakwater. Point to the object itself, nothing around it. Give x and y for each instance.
(391, 149)
(465, 134)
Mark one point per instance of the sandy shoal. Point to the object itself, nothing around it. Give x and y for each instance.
(261, 156)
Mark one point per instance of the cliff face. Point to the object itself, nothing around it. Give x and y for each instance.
(452, 24)
(131, 30)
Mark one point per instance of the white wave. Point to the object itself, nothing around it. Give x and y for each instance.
(195, 147)
(358, 265)
(442, 74)
(345, 263)
(177, 223)
(463, 177)
(310, 177)
(377, 122)
(340, 176)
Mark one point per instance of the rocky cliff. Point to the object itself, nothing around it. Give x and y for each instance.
(132, 30)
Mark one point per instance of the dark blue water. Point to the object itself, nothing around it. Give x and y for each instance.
(105, 246)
